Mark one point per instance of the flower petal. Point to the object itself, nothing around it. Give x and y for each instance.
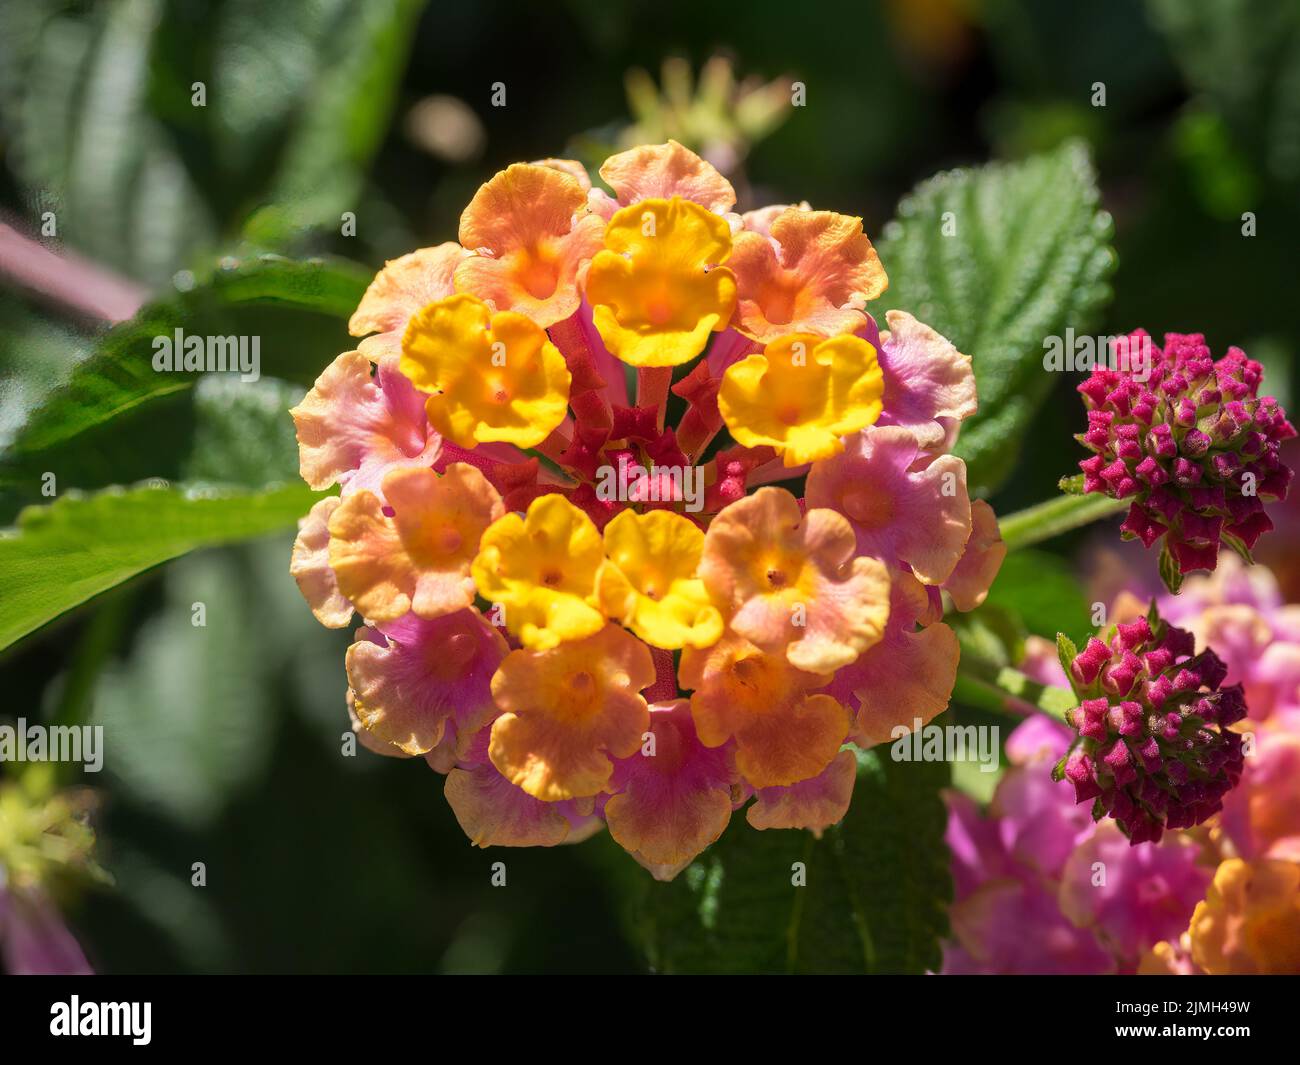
(672, 804)
(658, 290)
(662, 171)
(568, 711)
(810, 273)
(926, 379)
(971, 578)
(532, 236)
(899, 512)
(790, 583)
(401, 289)
(423, 675)
(353, 429)
(310, 567)
(814, 804)
(907, 676)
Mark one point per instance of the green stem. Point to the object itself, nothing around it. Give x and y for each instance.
(1045, 520)
(1011, 692)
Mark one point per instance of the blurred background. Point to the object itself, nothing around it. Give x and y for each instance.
(225, 739)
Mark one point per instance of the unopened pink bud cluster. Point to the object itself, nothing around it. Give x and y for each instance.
(1192, 444)
(1153, 750)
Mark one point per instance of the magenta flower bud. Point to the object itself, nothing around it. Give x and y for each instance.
(1153, 750)
(1192, 444)
(1088, 664)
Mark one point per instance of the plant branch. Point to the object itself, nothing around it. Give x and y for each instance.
(1045, 520)
(1009, 691)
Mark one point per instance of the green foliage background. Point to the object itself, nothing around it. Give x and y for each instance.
(224, 740)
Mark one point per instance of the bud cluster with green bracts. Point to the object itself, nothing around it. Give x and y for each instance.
(1154, 749)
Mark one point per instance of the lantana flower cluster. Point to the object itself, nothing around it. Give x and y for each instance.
(642, 514)
(1189, 440)
(1222, 897)
(1154, 747)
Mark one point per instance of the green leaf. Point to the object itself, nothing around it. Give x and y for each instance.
(63, 554)
(1067, 651)
(86, 144)
(1170, 573)
(1027, 259)
(292, 306)
(1043, 591)
(343, 120)
(875, 900)
(189, 714)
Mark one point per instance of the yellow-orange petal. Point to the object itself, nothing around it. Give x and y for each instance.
(790, 583)
(783, 734)
(532, 235)
(812, 273)
(419, 559)
(1249, 922)
(802, 394)
(649, 580)
(662, 171)
(494, 377)
(540, 570)
(568, 711)
(658, 290)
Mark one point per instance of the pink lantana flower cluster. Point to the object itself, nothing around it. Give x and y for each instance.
(1222, 897)
(643, 516)
(1189, 440)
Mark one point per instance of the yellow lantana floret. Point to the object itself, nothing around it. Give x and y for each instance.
(494, 377)
(541, 569)
(658, 290)
(802, 395)
(649, 580)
